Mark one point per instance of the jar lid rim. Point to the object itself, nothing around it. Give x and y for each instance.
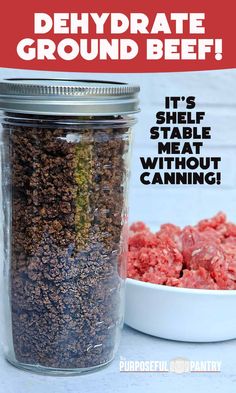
(78, 96)
(39, 86)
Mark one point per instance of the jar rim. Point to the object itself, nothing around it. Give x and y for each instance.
(68, 97)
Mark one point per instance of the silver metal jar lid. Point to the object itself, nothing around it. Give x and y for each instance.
(68, 97)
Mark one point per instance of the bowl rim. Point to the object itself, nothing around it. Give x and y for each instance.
(168, 288)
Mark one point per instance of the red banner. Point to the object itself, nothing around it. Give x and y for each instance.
(124, 36)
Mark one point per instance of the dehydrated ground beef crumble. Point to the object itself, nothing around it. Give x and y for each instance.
(68, 215)
(201, 256)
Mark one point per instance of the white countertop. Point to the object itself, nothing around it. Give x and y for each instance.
(135, 346)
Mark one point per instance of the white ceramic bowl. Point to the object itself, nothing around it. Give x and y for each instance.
(182, 314)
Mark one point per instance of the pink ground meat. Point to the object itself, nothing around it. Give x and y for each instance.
(201, 256)
(199, 278)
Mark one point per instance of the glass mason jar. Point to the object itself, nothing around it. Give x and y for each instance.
(65, 157)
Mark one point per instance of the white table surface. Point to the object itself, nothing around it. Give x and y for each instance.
(135, 346)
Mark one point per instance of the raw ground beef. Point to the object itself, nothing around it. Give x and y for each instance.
(201, 256)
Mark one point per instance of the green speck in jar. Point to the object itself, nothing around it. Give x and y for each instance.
(83, 177)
